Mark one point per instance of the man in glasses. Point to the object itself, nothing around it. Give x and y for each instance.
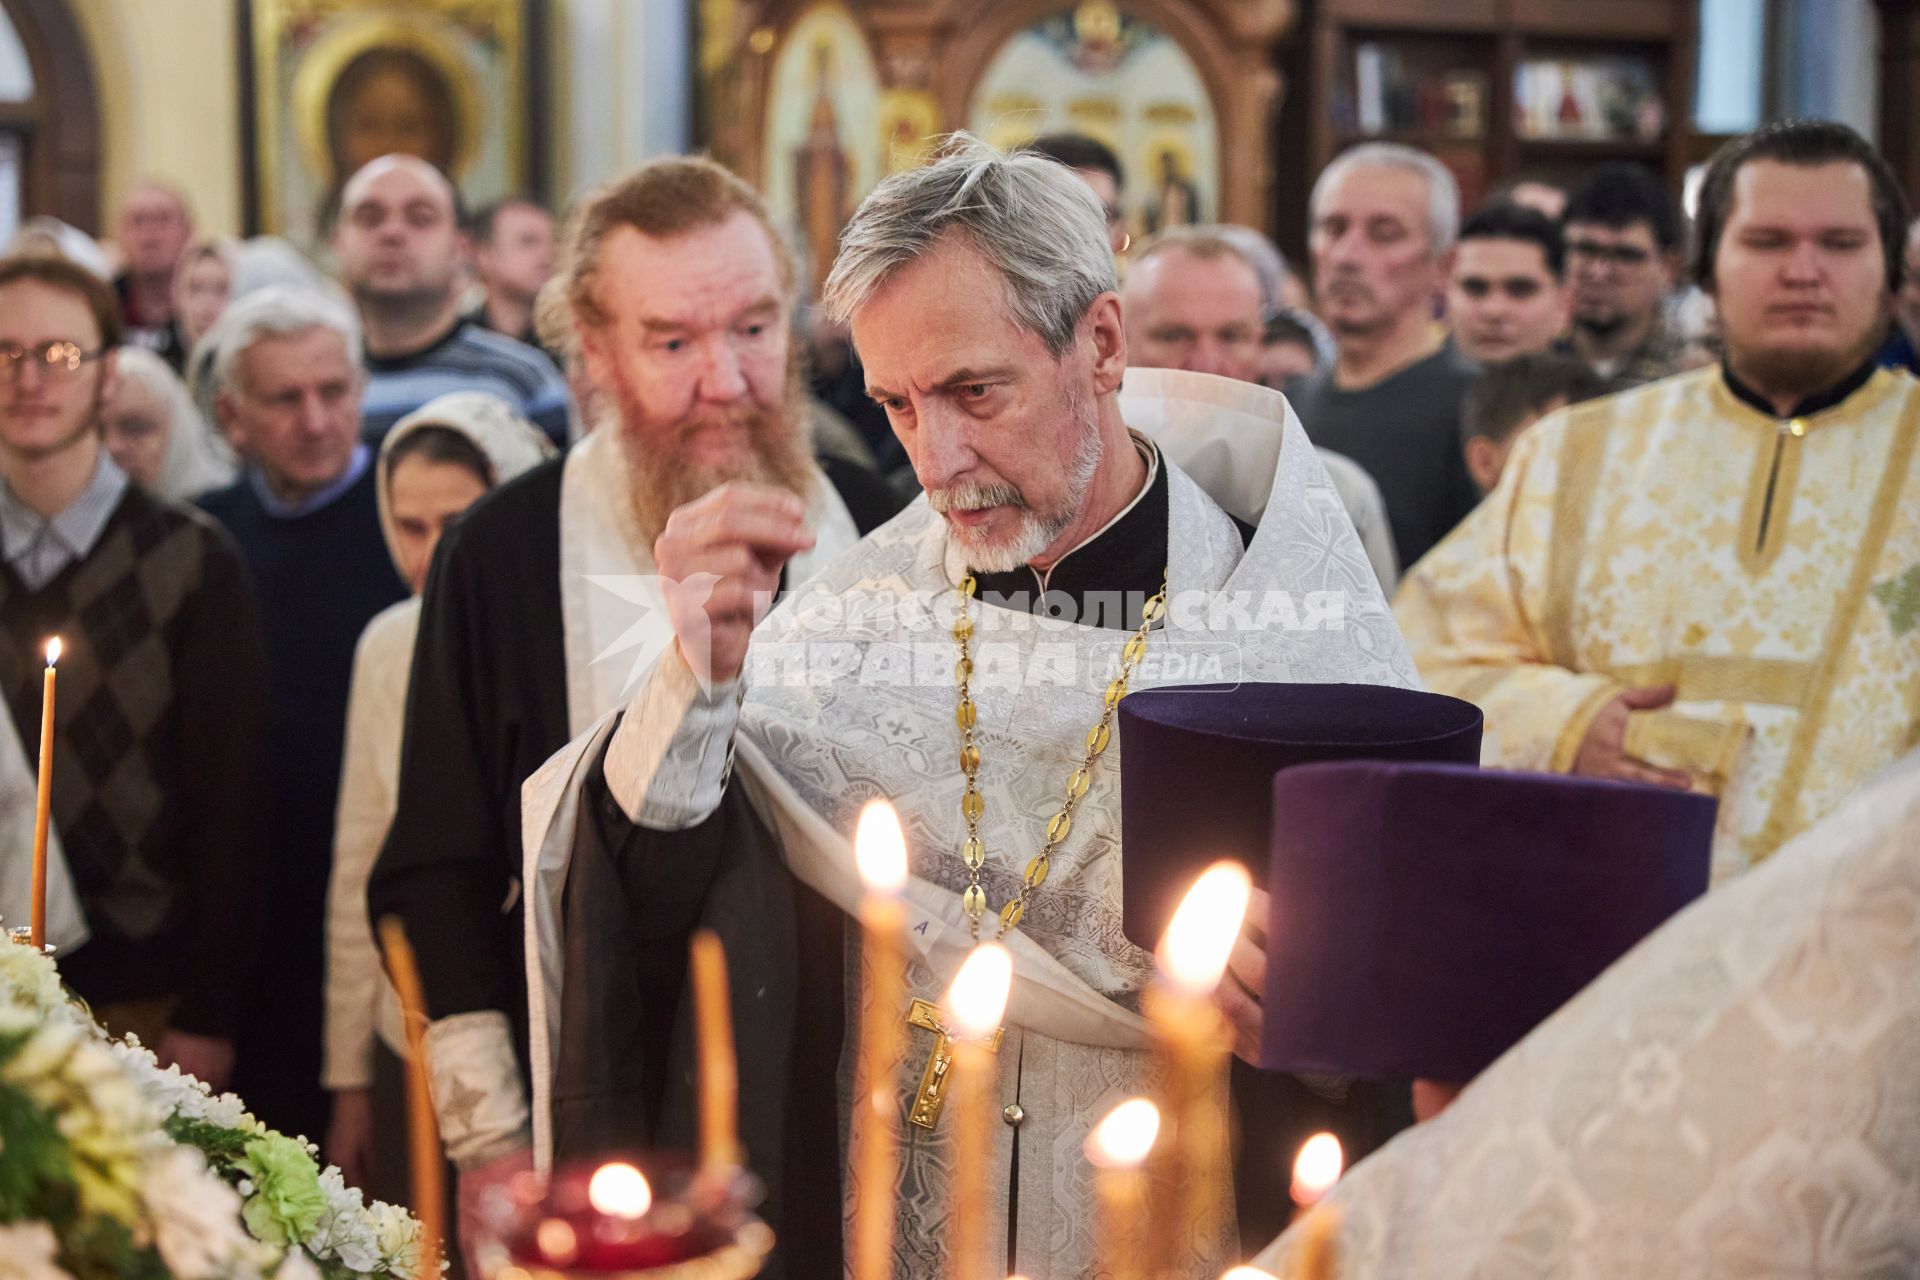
(159, 757)
(1623, 254)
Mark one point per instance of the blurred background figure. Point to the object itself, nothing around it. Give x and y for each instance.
(433, 465)
(1194, 301)
(1384, 219)
(1506, 293)
(513, 255)
(45, 237)
(1100, 169)
(153, 230)
(1622, 233)
(1531, 191)
(1902, 350)
(202, 286)
(403, 255)
(1508, 398)
(154, 431)
(306, 517)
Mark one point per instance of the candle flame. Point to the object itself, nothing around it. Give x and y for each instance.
(1193, 952)
(1317, 1168)
(879, 850)
(620, 1191)
(1123, 1139)
(977, 1000)
(53, 650)
(1249, 1273)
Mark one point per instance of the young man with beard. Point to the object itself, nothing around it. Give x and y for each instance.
(542, 608)
(1384, 219)
(1712, 581)
(1622, 234)
(1058, 522)
(402, 254)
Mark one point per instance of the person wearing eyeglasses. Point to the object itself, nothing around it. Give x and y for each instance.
(1622, 233)
(159, 727)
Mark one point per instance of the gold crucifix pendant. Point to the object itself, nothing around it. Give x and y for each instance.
(932, 1097)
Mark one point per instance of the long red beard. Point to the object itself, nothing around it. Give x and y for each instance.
(661, 477)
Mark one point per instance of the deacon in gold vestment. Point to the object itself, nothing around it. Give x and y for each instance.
(1714, 580)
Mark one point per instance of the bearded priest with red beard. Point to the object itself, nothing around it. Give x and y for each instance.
(542, 609)
(963, 661)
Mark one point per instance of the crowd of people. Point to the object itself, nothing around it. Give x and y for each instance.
(1637, 478)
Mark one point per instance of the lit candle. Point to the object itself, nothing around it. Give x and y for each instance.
(1190, 1187)
(1248, 1273)
(43, 807)
(1118, 1148)
(429, 1185)
(975, 1004)
(719, 1073)
(1315, 1170)
(880, 852)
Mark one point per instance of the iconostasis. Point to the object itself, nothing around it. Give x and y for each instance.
(818, 102)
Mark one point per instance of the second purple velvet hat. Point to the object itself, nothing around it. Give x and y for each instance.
(1426, 917)
(1197, 765)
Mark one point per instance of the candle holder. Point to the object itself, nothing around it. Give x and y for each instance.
(632, 1218)
(23, 936)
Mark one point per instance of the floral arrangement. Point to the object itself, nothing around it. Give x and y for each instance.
(111, 1167)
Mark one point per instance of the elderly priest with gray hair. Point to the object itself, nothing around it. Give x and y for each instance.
(1074, 541)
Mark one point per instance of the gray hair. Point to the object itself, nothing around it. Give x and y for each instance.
(1031, 217)
(1211, 240)
(277, 311)
(1443, 193)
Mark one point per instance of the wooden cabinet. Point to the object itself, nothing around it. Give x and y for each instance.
(1495, 88)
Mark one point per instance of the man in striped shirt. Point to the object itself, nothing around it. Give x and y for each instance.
(402, 253)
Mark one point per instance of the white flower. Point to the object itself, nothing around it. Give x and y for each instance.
(398, 1234)
(33, 977)
(196, 1217)
(297, 1266)
(345, 1233)
(27, 1251)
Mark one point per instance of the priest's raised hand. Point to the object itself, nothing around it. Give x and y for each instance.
(720, 558)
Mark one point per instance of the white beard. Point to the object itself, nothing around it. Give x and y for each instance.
(1033, 533)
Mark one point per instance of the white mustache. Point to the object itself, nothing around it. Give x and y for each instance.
(974, 497)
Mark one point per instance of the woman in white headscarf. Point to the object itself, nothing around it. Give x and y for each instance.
(433, 465)
(154, 431)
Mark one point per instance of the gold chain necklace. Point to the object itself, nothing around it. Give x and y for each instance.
(973, 804)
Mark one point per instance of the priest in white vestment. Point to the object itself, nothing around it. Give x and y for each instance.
(1062, 517)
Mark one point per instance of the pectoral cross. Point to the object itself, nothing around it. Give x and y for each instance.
(932, 1097)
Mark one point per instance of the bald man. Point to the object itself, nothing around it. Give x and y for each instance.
(403, 256)
(153, 231)
(1193, 300)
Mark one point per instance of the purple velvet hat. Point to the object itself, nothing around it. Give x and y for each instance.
(1197, 765)
(1426, 917)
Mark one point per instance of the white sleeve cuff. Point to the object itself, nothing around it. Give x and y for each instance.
(477, 1095)
(672, 753)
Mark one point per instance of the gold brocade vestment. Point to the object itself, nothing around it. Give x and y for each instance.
(1768, 568)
